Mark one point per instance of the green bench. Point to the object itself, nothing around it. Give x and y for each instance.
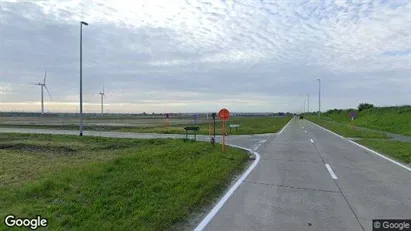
(195, 129)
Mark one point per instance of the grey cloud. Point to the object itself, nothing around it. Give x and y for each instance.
(244, 50)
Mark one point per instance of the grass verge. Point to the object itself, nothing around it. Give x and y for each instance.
(97, 183)
(253, 125)
(394, 119)
(348, 131)
(398, 150)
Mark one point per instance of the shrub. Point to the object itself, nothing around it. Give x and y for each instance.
(364, 106)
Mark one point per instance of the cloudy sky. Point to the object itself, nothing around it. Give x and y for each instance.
(197, 56)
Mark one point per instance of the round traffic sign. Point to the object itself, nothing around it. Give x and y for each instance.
(224, 114)
(353, 114)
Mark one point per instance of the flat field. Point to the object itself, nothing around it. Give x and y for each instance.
(248, 125)
(97, 183)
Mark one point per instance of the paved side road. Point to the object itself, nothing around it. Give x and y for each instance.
(246, 141)
(310, 179)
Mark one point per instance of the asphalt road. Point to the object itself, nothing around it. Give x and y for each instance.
(310, 179)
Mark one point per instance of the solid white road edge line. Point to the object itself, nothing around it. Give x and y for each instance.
(331, 171)
(370, 150)
(261, 142)
(220, 204)
(312, 141)
(285, 126)
(256, 146)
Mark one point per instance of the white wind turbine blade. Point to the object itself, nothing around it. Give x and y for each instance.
(45, 76)
(47, 90)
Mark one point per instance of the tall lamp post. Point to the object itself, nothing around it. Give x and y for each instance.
(81, 76)
(319, 97)
(304, 108)
(308, 103)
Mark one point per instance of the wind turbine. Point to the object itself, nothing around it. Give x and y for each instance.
(43, 85)
(102, 95)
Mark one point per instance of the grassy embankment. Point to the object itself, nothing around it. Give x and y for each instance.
(97, 183)
(395, 120)
(254, 125)
(398, 150)
(389, 119)
(346, 130)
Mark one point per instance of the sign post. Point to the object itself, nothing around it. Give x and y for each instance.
(167, 121)
(195, 125)
(209, 125)
(353, 115)
(212, 137)
(224, 114)
(195, 119)
(213, 115)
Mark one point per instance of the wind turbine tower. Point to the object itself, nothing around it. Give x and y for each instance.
(102, 95)
(43, 85)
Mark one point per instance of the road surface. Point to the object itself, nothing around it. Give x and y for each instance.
(310, 179)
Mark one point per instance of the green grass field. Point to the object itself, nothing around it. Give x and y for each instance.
(398, 150)
(390, 119)
(253, 125)
(97, 183)
(347, 131)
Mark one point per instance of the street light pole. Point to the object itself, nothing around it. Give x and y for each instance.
(308, 103)
(319, 97)
(304, 107)
(81, 76)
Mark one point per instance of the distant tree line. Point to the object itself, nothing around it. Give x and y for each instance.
(365, 106)
(361, 107)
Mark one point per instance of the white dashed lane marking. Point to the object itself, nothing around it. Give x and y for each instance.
(331, 171)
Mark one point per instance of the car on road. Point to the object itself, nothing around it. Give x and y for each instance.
(301, 117)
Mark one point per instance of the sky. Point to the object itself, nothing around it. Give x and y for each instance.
(200, 56)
